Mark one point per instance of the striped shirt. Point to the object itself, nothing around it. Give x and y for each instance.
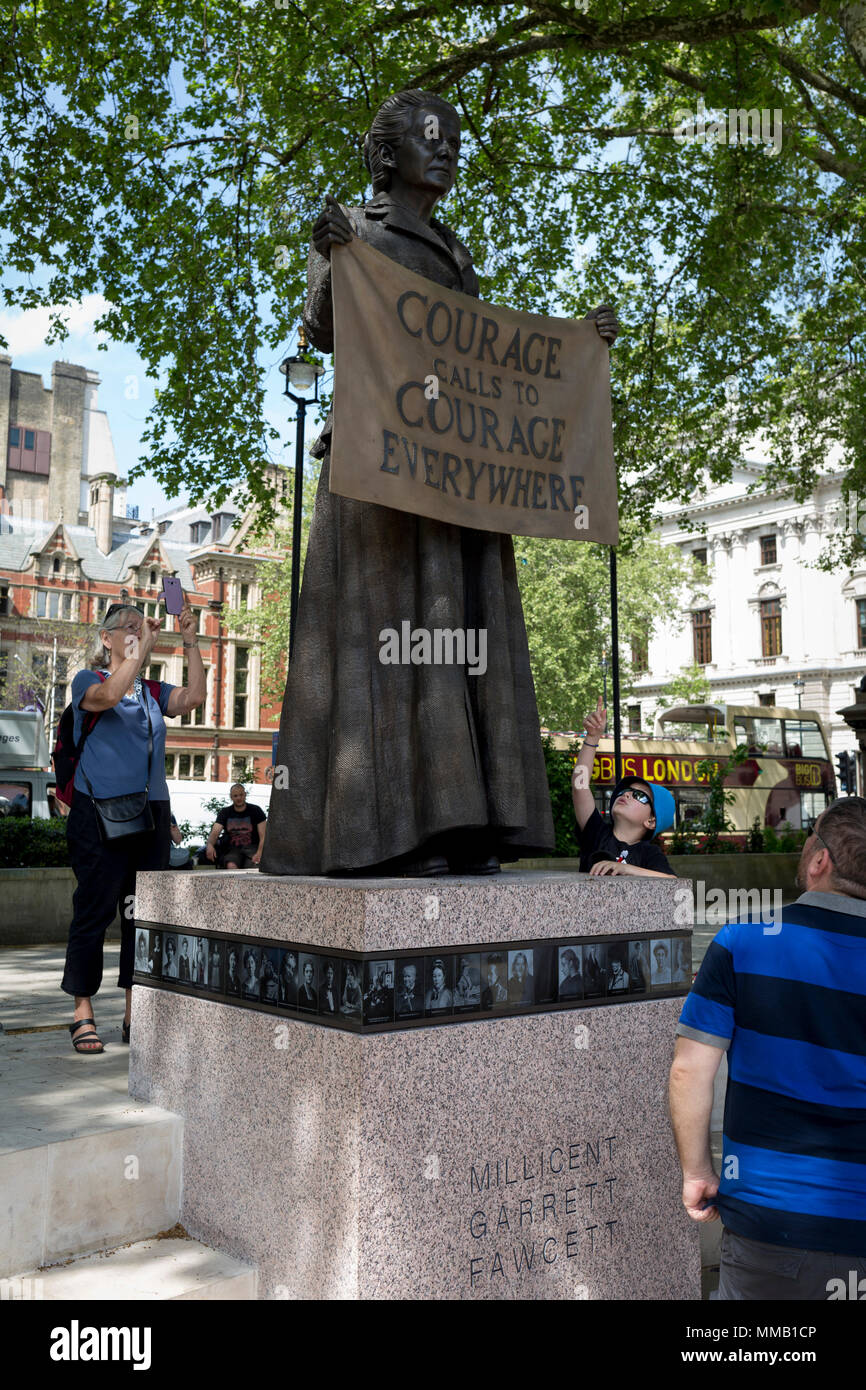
(787, 1000)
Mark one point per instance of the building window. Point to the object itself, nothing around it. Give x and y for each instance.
(198, 767)
(768, 699)
(29, 450)
(771, 627)
(195, 716)
(154, 671)
(700, 556)
(245, 595)
(4, 600)
(768, 550)
(56, 564)
(153, 579)
(198, 531)
(861, 622)
(640, 651)
(183, 762)
(634, 719)
(169, 765)
(702, 637)
(51, 604)
(240, 769)
(242, 658)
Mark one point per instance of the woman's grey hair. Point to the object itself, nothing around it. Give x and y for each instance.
(390, 124)
(99, 654)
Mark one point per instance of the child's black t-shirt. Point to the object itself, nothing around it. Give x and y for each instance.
(597, 835)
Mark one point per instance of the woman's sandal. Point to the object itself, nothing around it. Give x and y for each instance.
(124, 1031)
(77, 1043)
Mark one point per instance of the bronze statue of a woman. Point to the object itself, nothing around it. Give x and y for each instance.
(404, 769)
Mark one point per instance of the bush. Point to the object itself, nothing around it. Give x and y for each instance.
(559, 780)
(32, 844)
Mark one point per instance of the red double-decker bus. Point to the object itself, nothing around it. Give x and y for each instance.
(785, 781)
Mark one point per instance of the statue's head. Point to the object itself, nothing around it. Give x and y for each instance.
(410, 114)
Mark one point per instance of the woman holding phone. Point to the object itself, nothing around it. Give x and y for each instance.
(123, 754)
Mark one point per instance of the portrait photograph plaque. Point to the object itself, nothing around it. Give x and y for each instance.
(351, 993)
(169, 956)
(251, 967)
(154, 961)
(639, 967)
(439, 985)
(269, 979)
(409, 998)
(234, 983)
(142, 952)
(570, 974)
(467, 987)
(521, 977)
(494, 976)
(308, 983)
(594, 971)
(660, 962)
(616, 964)
(379, 991)
(199, 962)
(329, 987)
(287, 980)
(216, 966)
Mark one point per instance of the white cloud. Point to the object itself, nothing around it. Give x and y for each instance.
(27, 330)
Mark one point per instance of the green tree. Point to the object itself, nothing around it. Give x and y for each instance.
(173, 155)
(565, 590)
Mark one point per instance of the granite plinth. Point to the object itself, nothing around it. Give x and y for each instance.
(511, 1157)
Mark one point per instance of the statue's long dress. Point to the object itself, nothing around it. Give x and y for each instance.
(381, 758)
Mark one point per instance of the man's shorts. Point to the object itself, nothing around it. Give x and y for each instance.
(242, 858)
(752, 1270)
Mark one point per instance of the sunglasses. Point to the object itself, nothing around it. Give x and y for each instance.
(642, 797)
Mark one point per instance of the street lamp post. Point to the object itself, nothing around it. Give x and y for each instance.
(302, 374)
(799, 686)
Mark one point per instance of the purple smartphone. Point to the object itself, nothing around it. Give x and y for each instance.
(172, 594)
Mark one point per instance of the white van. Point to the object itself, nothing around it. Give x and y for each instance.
(27, 782)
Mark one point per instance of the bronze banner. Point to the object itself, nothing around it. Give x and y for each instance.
(468, 412)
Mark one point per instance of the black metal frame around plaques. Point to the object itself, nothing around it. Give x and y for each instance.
(449, 981)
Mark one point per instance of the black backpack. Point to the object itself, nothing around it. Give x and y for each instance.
(66, 754)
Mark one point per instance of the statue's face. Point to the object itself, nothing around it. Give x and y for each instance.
(427, 154)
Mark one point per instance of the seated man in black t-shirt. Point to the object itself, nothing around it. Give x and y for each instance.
(237, 835)
(639, 810)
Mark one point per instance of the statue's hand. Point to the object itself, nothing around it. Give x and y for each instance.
(332, 225)
(606, 322)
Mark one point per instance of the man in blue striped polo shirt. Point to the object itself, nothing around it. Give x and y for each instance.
(787, 1001)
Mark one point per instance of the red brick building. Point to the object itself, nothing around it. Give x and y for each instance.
(60, 572)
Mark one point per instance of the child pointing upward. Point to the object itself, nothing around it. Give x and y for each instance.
(639, 810)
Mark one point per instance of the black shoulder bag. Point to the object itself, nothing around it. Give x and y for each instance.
(120, 816)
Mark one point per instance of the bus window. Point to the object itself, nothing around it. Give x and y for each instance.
(15, 798)
(691, 803)
(804, 739)
(768, 737)
(811, 806)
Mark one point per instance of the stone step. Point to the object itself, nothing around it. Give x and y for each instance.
(167, 1266)
(83, 1166)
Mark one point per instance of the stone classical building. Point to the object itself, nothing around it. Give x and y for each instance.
(70, 546)
(764, 617)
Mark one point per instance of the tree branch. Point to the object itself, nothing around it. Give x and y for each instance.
(813, 78)
(591, 36)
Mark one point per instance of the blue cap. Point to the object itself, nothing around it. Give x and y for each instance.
(663, 804)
